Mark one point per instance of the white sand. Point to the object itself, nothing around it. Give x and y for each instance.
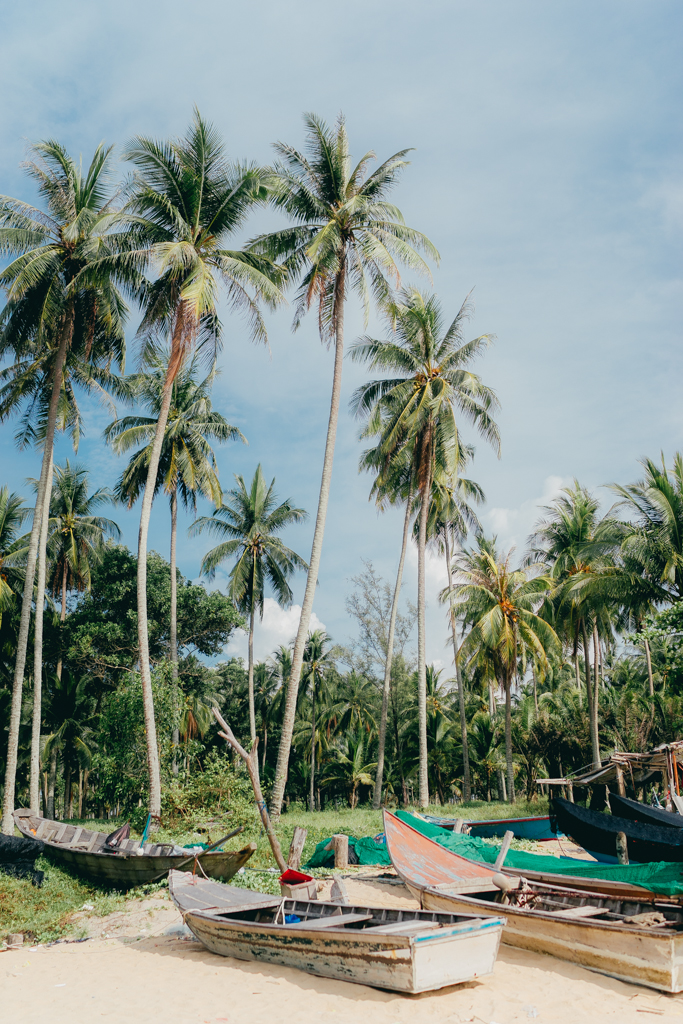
(141, 976)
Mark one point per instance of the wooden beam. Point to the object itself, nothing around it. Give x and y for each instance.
(505, 846)
(296, 848)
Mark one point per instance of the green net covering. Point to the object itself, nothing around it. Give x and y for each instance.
(660, 877)
(368, 852)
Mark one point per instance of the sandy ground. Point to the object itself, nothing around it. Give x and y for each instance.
(140, 967)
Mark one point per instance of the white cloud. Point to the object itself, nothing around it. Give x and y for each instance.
(279, 626)
(512, 526)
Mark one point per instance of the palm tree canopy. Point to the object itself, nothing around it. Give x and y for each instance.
(188, 200)
(187, 462)
(344, 232)
(250, 518)
(75, 533)
(13, 512)
(434, 383)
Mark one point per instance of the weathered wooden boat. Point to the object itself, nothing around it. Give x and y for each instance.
(536, 828)
(635, 811)
(597, 833)
(403, 950)
(84, 851)
(633, 940)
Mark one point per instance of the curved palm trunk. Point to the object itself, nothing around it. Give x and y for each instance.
(173, 636)
(311, 796)
(252, 709)
(314, 564)
(466, 786)
(648, 659)
(508, 739)
(143, 638)
(421, 645)
(596, 691)
(379, 777)
(34, 782)
(62, 615)
(27, 598)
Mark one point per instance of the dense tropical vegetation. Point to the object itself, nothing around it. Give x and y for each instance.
(556, 655)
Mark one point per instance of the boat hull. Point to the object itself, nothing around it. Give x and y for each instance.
(646, 958)
(647, 843)
(124, 869)
(402, 965)
(537, 829)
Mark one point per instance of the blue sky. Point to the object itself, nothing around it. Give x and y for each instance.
(547, 170)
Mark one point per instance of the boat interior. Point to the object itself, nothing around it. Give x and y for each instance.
(85, 840)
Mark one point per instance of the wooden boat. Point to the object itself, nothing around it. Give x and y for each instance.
(83, 850)
(597, 833)
(633, 940)
(635, 811)
(403, 950)
(536, 828)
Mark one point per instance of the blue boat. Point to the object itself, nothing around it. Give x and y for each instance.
(536, 828)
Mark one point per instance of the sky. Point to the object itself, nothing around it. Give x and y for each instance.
(546, 169)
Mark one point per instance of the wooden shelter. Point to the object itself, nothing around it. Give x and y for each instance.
(665, 760)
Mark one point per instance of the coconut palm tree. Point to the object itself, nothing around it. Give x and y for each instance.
(251, 518)
(351, 767)
(418, 409)
(62, 284)
(500, 604)
(187, 464)
(318, 658)
(70, 709)
(13, 513)
(189, 201)
(345, 237)
(76, 535)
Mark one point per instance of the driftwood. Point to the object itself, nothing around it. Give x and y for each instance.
(296, 848)
(251, 761)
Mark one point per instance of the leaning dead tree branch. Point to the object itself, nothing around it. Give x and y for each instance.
(251, 761)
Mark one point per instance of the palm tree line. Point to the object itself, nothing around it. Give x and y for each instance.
(163, 244)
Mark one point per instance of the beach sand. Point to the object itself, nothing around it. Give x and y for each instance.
(141, 968)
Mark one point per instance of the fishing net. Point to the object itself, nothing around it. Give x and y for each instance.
(368, 851)
(659, 877)
(18, 856)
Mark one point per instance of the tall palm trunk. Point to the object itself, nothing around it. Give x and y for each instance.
(316, 551)
(648, 659)
(596, 689)
(386, 689)
(34, 782)
(466, 788)
(62, 616)
(421, 638)
(143, 637)
(173, 636)
(589, 691)
(311, 795)
(508, 738)
(27, 598)
(51, 784)
(252, 709)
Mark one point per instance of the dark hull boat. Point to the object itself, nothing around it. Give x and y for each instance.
(635, 811)
(403, 950)
(597, 833)
(83, 851)
(637, 940)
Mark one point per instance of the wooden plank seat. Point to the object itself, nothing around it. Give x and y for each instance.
(581, 912)
(334, 921)
(402, 927)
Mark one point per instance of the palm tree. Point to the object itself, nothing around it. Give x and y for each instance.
(189, 201)
(13, 512)
(70, 710)
(76, 535)
(500, 604)
(345, 236)
(250, 519)
(187, 463)
(417, 411)
(350, 766)
(318, 658)
(62, 294)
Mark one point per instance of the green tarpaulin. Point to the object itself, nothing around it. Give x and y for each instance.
(660, 877)
(368, 851)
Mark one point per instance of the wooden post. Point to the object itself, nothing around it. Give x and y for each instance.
(340, 845)
(338, 893)
(296, 848)
(251, 761)
(570, 791)
(459, 822)
(622, 848)
(505, 846)
(620, 781)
